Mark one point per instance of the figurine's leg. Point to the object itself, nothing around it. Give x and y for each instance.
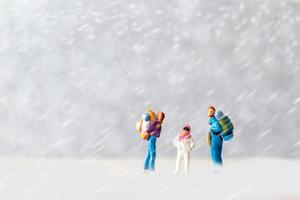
(178, 163)
(186, 163)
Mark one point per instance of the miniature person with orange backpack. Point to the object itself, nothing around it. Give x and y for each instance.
(154, 130)
(150, 129)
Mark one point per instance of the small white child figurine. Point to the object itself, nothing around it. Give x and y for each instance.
(184, 144)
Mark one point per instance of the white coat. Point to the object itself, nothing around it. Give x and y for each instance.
(184, 147)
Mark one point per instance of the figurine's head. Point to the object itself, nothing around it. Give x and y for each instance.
(186, 129)
(160, 117)
(211, 111)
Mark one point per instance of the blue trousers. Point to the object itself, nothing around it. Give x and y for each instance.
(216, 149)
(149, 163)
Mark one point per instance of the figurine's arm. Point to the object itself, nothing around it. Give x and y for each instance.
(175, 141)
(215, 128)
(192, 143)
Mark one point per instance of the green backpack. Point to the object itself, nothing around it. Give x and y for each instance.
(226, 125)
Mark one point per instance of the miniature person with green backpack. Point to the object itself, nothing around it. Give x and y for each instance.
(221, 129)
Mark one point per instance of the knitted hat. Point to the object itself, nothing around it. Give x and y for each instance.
(188, 127)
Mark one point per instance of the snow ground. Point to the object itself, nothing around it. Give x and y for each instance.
(75, 179)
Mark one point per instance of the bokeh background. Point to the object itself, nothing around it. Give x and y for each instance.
(76, 75)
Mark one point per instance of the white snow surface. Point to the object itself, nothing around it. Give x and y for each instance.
(77, 179)
(76, 75)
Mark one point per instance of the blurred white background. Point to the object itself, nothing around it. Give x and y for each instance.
(75, 75)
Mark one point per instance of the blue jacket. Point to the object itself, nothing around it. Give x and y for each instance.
(216, 141)
(214, 126)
